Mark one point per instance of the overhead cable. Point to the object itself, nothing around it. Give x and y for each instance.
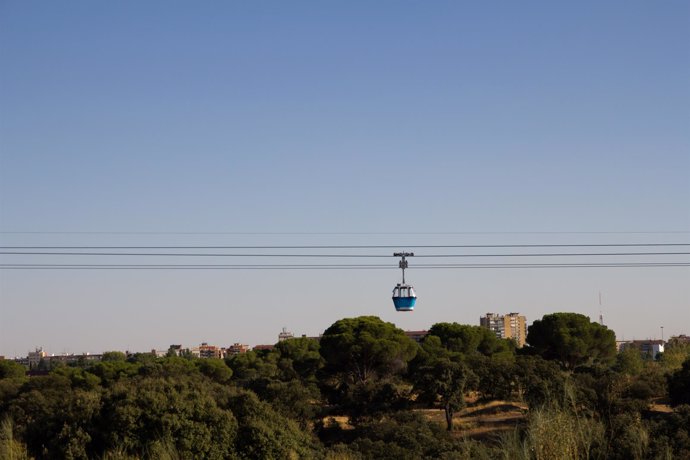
(336, 256)
(332, 267)
(372, 246)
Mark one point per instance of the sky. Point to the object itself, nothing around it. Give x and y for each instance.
(337, 123)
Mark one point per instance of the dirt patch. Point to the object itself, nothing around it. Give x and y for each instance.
(477, 420)
(480, 420)
(341, 420)
(663, 408)
(660, 405)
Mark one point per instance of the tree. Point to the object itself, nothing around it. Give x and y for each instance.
(629, 361)
(539, 382)
(113, 356)
(298, 359)
(251, 366)
(79, 378)
(54, 418)
(670, 434)
(571, 339)
(440, 376)
(293, 400)
(180, 412)
(402, 435)
(167, 367)
(364, 359)
(215, 369)
(263, 433)
(112, 371)
(679, 385)
(293, 390)
(443, 380)
(675, 353)
(10, 369)
(364, 348)
(495, 378)
(466, 339)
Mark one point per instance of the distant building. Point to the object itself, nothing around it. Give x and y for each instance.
(23, 361)
(417, 336)
(647, 348)
(678, 339)
(34, 358)
(175, 350)
(159, 353)
(207, 351)
(510, 326)
(74, 359)
(284, 335)
(236, 349)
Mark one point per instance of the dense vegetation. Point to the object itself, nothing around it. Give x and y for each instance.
(364, 391)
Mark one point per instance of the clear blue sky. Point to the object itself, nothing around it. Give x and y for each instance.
(378, 117)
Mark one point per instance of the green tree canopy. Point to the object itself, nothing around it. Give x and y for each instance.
(10, 369)
(441, 377)
(402, 436)
(443, 380)
(179, 411)
(629, 361)
(571, 339)
(215, 369)
(364, 360)
(466, 339)
(54, 417)
(263, 433)
(359, 349)
(112, 371)
(298, 358)
(539, 382)
(113, 356)
(675, 353)
(250, 366)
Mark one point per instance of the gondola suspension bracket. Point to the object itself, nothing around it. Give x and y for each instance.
(404, 297)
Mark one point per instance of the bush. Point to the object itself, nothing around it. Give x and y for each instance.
(679, 385)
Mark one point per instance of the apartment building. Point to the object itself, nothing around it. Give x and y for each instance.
(237, 348)
(647, 348)
(510, 326)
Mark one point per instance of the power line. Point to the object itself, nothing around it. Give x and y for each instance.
(332, 267)
(209, 265)
(370, 246)
(336, 256)
(649, 232)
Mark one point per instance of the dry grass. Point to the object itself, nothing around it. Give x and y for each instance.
(342, 421)
(479, 420)
(660, 405)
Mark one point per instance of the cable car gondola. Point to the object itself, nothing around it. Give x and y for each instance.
(404, 297)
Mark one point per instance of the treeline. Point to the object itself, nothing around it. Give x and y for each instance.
(357, 394)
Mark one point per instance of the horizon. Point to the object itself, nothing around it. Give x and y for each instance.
(295, 336)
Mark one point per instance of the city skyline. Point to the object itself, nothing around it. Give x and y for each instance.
(287, 333)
